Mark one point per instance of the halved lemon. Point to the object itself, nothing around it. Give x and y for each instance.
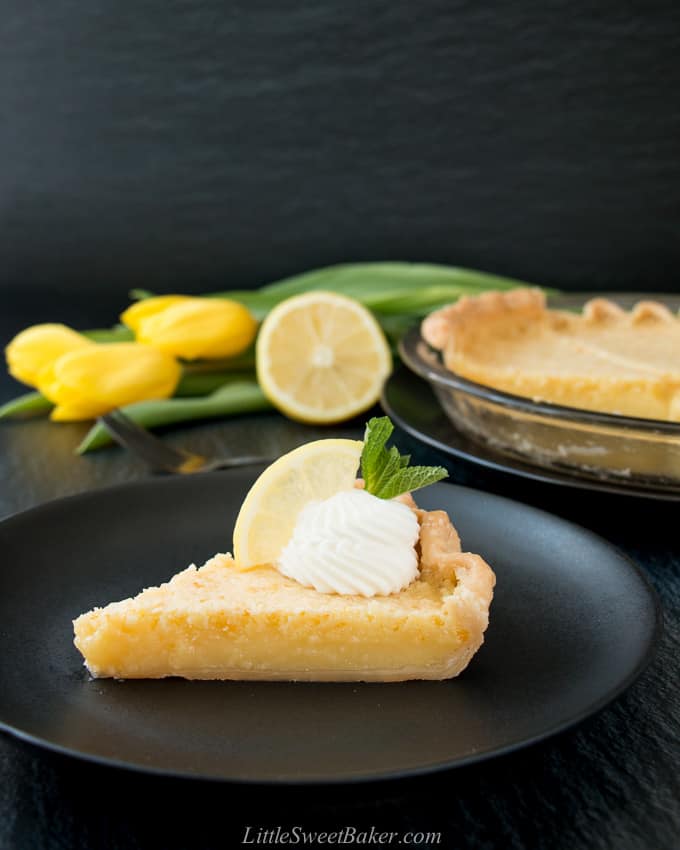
(322, 358)
(269, 512)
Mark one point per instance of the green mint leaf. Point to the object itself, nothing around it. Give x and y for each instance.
(389, 467)
(378, 432)
(386, 473)
(413, 478)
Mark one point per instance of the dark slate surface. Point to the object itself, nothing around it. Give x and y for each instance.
(175, 144)
(609, 784)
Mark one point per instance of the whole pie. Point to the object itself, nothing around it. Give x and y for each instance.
(605, 358)
(367, 587)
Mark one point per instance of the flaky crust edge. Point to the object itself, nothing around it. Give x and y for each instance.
(446, 328)
(440, 328)
(469, 603)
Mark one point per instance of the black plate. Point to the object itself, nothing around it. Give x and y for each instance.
(411, 403)
(572, 624)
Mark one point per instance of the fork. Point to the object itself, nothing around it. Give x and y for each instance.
(163, 458)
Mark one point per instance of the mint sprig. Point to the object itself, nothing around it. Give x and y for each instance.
(386, 473)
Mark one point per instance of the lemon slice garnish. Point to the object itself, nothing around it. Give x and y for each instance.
(314, 471)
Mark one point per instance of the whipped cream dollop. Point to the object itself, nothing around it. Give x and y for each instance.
(351, 543)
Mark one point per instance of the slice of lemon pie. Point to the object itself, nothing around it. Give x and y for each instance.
(332, 580)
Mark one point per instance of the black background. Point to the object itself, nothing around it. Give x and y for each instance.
(194, 146)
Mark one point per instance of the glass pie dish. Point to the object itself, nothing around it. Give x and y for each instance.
(602, 446)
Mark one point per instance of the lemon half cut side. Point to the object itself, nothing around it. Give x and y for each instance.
(322, 358)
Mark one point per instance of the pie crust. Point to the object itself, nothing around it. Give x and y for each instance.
(604, 359)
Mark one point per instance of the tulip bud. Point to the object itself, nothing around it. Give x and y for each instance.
(92, 380)
(37, 347)
(192, 328)
(139, 311)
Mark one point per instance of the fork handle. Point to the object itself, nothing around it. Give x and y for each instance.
(230, 462)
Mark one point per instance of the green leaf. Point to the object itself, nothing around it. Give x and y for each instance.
(386, 473)
(390, 289)
(412, 478)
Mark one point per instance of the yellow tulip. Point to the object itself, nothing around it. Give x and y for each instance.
(139, 311)
(192, 328)
(89, 381)
(36, 348)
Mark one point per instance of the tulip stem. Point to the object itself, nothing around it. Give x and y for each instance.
(236, 397)
(203, 383)
(241, 363)
(24, 406)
